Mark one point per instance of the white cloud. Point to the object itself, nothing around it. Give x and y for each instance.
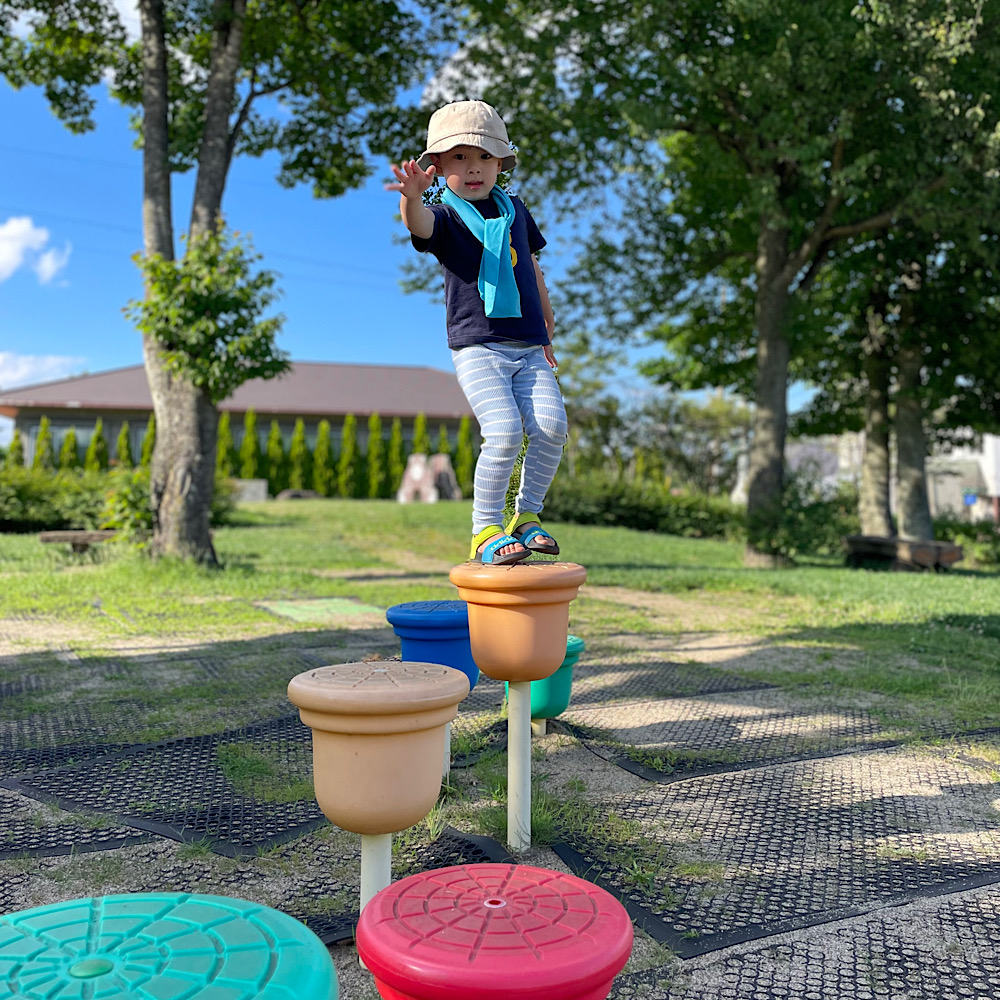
(50, 263)
(28, 369)
(19, 237)
(128, 11)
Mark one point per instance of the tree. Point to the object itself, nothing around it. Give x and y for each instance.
(757, 140)
(397, 456)
(323, 469)
(277, 463)
(123, 447)
(444, 445)
(375, 458)
(225, 449)
(299, 459)
(464, 460)
(69, 454)
(347, 463)
(250, 456)
(44, 458)
(421, 436)
(96, 457)
(15, 452)
(210, 80)
(148, 443)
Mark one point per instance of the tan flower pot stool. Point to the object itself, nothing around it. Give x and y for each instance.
(518, 623)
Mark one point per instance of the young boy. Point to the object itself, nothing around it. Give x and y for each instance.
(500, 322)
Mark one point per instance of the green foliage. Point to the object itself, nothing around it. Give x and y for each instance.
(250, 457)
(277, 464)
(347, 464)
(15, 452)
(148, 443)
(299, 459)
(814, 520)
(464, 459)
(980, 540)
(376, 458)
(123, 448)
(44, 458)
(397, 456)
(421, 436)
(204, 310)
(600, 499)
(40, 500)
(225, 448)
(69, 453)
(514, 485)
(444, 445)
(96, 457)
(323, 468)
(127, 507)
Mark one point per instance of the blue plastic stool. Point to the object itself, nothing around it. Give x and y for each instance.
(435, 632)
(162, 945)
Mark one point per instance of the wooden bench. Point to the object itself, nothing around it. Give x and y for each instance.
(80, 541)
(901, 553)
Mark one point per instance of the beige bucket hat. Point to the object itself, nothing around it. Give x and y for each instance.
(467, 123)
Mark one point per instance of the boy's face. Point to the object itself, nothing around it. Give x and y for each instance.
(470, 172)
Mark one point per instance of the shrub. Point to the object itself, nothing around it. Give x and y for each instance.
(44, 457)
(375, 458)
(444, 445)
(323, 460)
(250, 447)
(814, 519)
(225, 448)
(69, 453)
(123, 448)
(299, 459)
(601, 499)
(15, 453)
(347, 465)
(96, 458)
(397, 456)
(41, 500)
(464, 459)
(980, 540)
(277, 467)
(421, 436)
(148, 443)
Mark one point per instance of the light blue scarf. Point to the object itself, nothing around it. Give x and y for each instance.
(497, 286)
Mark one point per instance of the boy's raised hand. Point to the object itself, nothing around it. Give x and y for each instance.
(413, 181)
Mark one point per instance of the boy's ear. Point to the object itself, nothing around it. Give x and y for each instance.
(436, 160)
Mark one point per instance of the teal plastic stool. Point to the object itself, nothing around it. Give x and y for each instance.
(550, 697)
(163, 946)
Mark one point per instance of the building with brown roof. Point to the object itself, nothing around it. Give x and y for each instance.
(312, 391)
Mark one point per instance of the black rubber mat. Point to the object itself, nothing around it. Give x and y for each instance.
(948, 951)
(26, 833)
(780, 848)
(177, 788)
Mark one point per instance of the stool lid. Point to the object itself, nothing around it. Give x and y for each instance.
(378, 687)
(168, 945)
(520, 576)
(494, 931)
(574, 645)
(446, 614)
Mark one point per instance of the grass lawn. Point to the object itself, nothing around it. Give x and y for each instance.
(927, 643)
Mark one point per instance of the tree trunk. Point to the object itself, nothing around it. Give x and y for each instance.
(911, 449)
(873, 503)
(767, 450)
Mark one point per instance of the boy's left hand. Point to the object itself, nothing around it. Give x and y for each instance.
(550, 357)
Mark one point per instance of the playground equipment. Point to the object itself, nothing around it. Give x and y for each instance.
(436, 632)
(550, 697)
(494, 932)
(173, 946)
(378, 728)
(518, 623)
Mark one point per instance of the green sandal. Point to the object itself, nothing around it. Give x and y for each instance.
(527, 537)
(488, 556)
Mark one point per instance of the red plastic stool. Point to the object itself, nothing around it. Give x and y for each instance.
(494, 932)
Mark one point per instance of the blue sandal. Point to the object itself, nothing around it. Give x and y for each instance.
(488, 556)
(527, 537)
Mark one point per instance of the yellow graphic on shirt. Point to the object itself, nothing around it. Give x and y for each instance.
(513, 252)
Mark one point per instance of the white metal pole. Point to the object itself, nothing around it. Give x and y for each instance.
(519, 765)
(376, 866)
(446, 763)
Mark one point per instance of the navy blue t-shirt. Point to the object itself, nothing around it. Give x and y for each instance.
(460, 255)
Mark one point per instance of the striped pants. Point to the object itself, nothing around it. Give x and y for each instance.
(510, 386)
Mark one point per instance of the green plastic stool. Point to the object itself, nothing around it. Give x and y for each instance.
(161, 946)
